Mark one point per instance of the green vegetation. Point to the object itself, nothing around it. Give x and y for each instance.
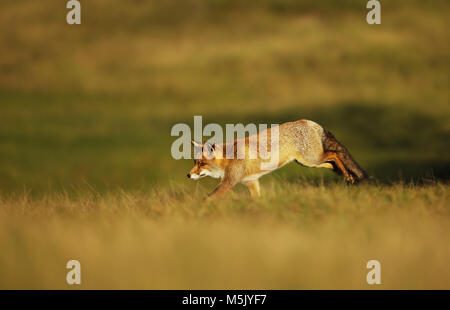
(85, 164)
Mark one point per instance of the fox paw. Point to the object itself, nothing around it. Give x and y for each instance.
(350, 179)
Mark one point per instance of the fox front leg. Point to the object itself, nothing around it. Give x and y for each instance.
(220, 190)
(231, 178)
(224, 187)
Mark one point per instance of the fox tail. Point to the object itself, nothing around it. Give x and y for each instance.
(331, 144)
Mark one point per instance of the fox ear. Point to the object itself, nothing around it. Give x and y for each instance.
(209, 150)
(195, 143)
(198, 149)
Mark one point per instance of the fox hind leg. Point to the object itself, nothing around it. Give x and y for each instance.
(325, 165)
(316, 163)
(333, 159)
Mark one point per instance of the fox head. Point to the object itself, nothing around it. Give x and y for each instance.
(207, 164)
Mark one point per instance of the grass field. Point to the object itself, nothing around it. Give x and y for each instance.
(85, 165)
(300, 236)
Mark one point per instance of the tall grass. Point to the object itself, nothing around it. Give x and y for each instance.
(299, 236)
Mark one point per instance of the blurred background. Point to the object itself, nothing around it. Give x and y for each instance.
(86, 113)
(94, 103)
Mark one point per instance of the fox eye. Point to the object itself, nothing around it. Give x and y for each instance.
(202, 164)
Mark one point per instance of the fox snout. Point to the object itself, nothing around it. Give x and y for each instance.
(192, 176)
(203, 169)
(195, 176)
(194, 173)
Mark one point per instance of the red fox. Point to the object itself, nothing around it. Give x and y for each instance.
(304, 141)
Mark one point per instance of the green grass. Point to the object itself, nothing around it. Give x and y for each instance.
(85, 164)
(97, 103)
